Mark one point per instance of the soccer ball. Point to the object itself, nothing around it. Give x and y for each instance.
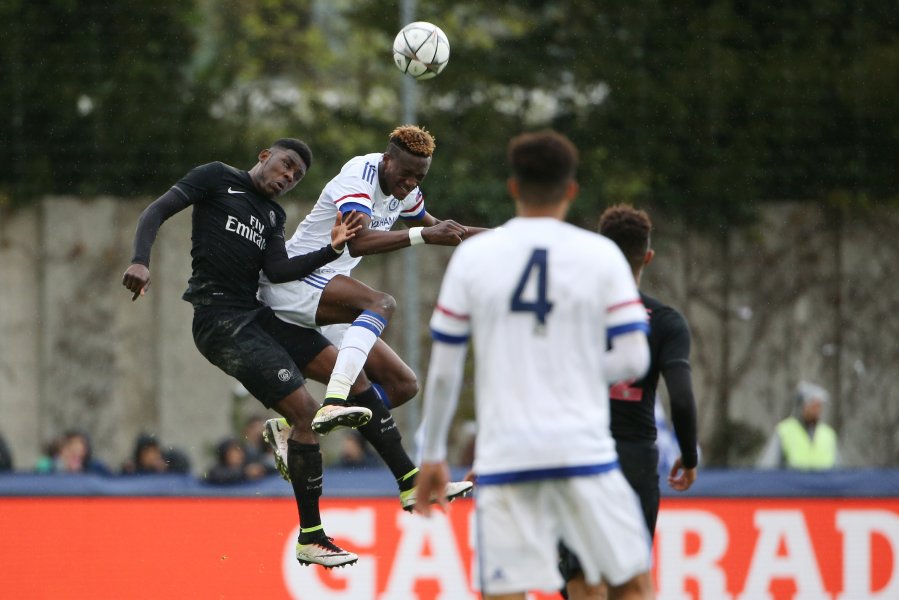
(421, 50)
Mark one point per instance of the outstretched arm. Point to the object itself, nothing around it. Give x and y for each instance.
(280, 268)
(429, 220)
(137, 276)
(427, 230)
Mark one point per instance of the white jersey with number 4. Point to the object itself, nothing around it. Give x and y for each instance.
(540, 298)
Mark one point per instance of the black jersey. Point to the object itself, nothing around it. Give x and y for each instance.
(232, 225)
(633, 403)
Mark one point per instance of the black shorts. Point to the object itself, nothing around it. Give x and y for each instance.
(262, 352)
(640, 464)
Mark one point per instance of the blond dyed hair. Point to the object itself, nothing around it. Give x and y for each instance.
(413, 139)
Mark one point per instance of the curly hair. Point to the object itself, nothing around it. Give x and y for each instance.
(630, 228)
(413, 139)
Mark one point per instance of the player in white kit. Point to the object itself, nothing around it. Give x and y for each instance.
(383, 187)
(540, 299)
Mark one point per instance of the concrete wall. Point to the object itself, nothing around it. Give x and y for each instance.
(786, 299)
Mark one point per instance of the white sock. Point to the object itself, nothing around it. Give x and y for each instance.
(357, 342)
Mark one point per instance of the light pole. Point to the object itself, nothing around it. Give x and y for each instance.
(412, 339)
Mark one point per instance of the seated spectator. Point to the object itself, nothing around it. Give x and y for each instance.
(45, 463)
(5, 456)
(231, 465)
(72, 453)
(147, 457)
(177, 460)
(256, 449)
(150, 458)
(355, 452)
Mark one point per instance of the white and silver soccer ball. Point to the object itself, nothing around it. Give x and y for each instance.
(421, 50)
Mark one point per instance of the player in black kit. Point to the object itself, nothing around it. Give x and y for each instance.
(633, 403)
(238, 230)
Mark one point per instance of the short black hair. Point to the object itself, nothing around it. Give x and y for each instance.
(630, 228)
(543, 157)
(297, 146)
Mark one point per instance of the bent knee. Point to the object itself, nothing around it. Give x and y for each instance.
(383, 304)
(405, 389)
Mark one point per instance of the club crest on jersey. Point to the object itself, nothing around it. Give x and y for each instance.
(394, 204)
(271, 216)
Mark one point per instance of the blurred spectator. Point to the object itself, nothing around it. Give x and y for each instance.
(48, 457)
(177, 460)
(256, 449)
(149, 457)
(72, 453)
(5, 456)
(355, 453)
(253, 441)
(803, 441)
(231, 465)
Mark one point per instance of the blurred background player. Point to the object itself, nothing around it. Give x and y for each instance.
(633, 403)
(238, 230)
(383, 187)
(803, 441)
(532, 297)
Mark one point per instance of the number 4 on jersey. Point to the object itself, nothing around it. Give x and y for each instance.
(540, 306)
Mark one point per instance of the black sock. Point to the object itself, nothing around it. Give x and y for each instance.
(384, 436)
(304, 463)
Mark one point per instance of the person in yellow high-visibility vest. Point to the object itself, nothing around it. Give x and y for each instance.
(803, 441)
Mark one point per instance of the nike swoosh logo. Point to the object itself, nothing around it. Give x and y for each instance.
(386, 420)
(230, 191)
(314, 479)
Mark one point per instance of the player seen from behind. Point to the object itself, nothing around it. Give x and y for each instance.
(633, 402)
(532, 296)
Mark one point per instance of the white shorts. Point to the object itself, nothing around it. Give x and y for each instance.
(519, 526)
(296, 301)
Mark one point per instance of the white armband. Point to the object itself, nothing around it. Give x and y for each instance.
(415, 237)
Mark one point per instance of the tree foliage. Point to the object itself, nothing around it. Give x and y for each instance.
(702, 108)
(95, 96)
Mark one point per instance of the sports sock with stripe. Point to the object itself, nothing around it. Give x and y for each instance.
(304, 462)
(357, 342)
(384, 436)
